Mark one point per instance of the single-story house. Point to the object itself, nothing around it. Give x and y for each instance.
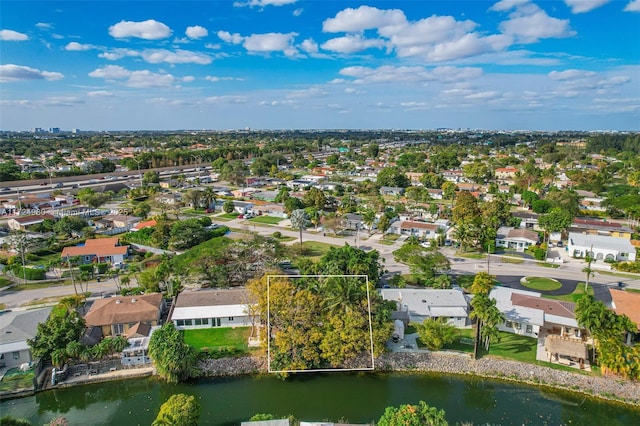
(505, 172)
(21, 223)
(146, 224)
(242, 207)
(353, 221)
(98, 250)
(422, 304)
(601, 247)
(527, 220)
(245, 192)
(392, 191)
(415, 228)
(275, 422)
(600, 227)
(211, 308)
(169, 199)
(276, 210)
(117, 316)
(268, 196)
(436, 194)
(527, 313)
(298, 184)
(15, 328)
(626, 303)
(414, 178)
(119, 221)
(516, 239)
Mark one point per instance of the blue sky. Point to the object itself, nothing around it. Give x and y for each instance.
(287, 64)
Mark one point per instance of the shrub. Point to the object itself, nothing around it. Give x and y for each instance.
(102, 267)
(539, 254)
(277, 235)
(628, 267)
(31, 274)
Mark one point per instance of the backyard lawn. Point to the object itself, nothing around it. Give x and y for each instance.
(541, 283)
(269, 220)
(15, 379)
(513, 346)
(218, 338)
(315, 250)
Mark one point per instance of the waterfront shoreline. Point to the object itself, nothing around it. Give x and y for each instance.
(612, 389)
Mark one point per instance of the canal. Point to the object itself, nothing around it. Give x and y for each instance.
(357, 398)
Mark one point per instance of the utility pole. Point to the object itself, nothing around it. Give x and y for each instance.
(139, 173)
(488, 257)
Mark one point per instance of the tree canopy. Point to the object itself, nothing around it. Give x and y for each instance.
(413, 415)
(172, 357)
(178, 410)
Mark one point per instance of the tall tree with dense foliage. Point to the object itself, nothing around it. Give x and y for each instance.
(173, 358)
(436, 333)
(392, 176)
(413, 415)
(64, 326)
(178, 410)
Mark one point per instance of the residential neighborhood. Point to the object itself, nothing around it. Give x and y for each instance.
(467, 248)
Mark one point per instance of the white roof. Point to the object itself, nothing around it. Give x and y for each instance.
(191, 312)
(458, 312)
(556, 319)
(516, 313)
(601, 242)
(14, 346)
(423, 301)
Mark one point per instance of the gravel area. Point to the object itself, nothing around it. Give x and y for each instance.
(452, 363)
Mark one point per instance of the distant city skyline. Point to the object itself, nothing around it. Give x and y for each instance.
(293, 64)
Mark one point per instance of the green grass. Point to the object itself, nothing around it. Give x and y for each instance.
(389, 239)
(15, 379)
(513, 346)
(42, 284)
(548, 265)
(269, 220)
(410, 279)
(190, 259)
(218, 337)
(572, 297)
(4, 282)
(619, 274)
(471, 255)
(313, 250)
(286, 238)
(228, 216)
(465, 333)
(632, 290)
(465, 281)
(541, 283)
(512, 258)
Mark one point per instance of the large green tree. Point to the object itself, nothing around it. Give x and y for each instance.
(392, 176)
(413, 415)
(178, 410)
(173, 358)
(300, 221)
(64, 326)
(436, 333)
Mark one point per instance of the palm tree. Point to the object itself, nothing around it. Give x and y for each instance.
(482, 283)
(369, 218)
(299, 220)
(209, 197)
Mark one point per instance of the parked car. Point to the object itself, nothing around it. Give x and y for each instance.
(44, 184)
(5, 189)
(58, 185)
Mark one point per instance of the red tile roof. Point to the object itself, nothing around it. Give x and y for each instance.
(627, 304)
(124, 309)
(549, 306)
(147, 224)
(99, 247)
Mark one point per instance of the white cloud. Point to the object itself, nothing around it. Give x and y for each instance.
(188, 79)
(147, 79)
(44, 25)
(78, 47)
(571, 74)
(11, 73)
(271, 42)
(582, 6)
(632, 6)
(10, 35)
(100, 94)
(263, 3)
(213, 46)
(136, 79)
(351, 43)
(312, 92)
(156, 56)
(298, 12)
(363, 18)
(64, 101)
(228, 99)
(110, 72)
(196, 32)
(434, 39)
(148, 30)
(118, 53)
(528, 23)
(409, 74)
(230, 38)
(309, 46)
(216, 79)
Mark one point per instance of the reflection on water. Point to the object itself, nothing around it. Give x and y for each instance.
(358, 398)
